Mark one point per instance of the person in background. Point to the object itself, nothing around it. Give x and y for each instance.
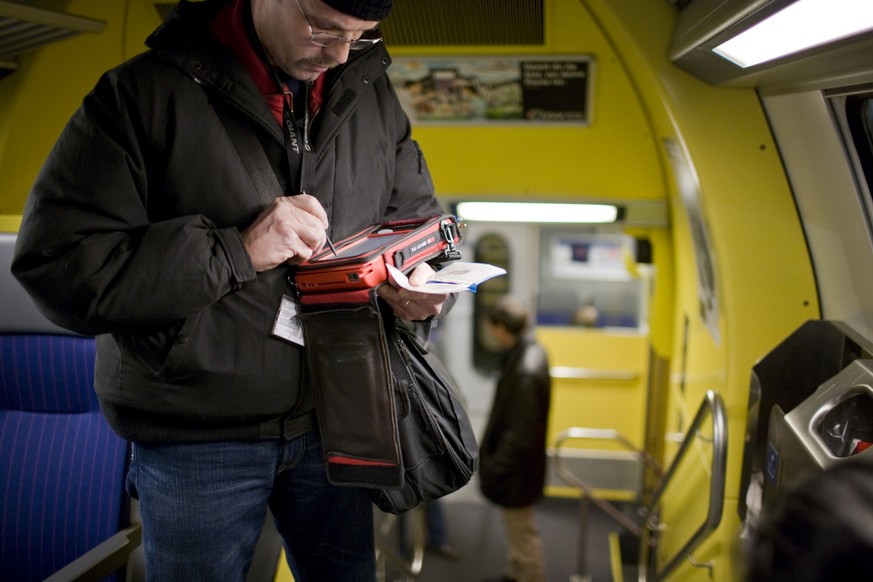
(437, 534)
(818, 530)
(512, 454)
(146, 229)
(436, 540)
(586, 316)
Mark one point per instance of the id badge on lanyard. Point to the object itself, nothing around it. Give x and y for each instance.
(287, 324)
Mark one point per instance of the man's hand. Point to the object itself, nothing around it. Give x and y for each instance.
(289, 231)
(408, 304)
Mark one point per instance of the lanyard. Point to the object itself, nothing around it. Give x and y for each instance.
(296, 141)
(297, 146)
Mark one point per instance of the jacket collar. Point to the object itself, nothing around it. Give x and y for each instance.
(186, 41)
(233, 27)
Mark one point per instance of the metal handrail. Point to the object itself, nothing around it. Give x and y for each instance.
(714, 405)
(387, 551)
(572, 373)
(607, 434)
(588, 492)
(578, 433)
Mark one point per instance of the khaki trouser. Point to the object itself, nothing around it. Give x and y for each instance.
(526, 562)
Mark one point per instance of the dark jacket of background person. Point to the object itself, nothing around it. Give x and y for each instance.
(512, 454)
(146, 253)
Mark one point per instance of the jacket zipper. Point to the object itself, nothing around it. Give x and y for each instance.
(270, 128)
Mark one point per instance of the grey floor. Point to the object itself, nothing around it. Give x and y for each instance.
(475, 530)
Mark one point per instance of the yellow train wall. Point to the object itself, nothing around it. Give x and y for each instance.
(640, 103)
(764, 282)
(611, 397)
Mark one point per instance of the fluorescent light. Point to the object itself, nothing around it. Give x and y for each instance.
(536, 212)
(799, 26)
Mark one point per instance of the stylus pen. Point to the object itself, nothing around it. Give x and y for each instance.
(329, 244)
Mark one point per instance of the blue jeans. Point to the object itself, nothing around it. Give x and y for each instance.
(203, 506)
(436, 524)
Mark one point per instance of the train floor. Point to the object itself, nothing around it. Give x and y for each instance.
(475, 530)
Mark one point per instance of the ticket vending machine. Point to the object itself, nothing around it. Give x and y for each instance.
(810, 405)
(833, 424)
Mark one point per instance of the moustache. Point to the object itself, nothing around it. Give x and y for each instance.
(318, 62)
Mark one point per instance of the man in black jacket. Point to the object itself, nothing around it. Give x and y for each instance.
(147, 229)
(512, 455)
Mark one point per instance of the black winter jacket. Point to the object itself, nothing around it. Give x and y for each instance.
(132, 229)
(512, 454)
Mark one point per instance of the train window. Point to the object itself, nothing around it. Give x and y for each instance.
(858, 124)
(493, 249)
(588, 278)
(859, 113)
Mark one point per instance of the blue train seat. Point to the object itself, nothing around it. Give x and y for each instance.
(65, 512)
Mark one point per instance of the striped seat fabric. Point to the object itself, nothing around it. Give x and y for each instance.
(61, 466)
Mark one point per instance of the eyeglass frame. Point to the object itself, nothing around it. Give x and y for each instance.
(331, 40)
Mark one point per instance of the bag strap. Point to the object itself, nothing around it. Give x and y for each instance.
(253, 157)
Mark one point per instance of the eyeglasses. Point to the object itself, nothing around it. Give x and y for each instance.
(326, 39)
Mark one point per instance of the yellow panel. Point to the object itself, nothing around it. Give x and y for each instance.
(614, 405)
(49, 84)
(283, 572)
(597, 401)
(615, 564)
(607, 494)
(765, 285)
(9, 223)
(552, 161)
(597, 349)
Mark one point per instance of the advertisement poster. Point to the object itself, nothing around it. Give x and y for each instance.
(488, 90)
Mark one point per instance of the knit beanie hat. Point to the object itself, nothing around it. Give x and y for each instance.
(363, 9)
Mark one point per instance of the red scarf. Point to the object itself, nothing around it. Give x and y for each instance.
(229, 27)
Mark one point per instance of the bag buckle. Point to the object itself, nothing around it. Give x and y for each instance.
(450, 253)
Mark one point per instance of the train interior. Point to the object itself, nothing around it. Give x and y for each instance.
(710, 344)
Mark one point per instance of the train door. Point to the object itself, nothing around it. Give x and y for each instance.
(588, 287)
